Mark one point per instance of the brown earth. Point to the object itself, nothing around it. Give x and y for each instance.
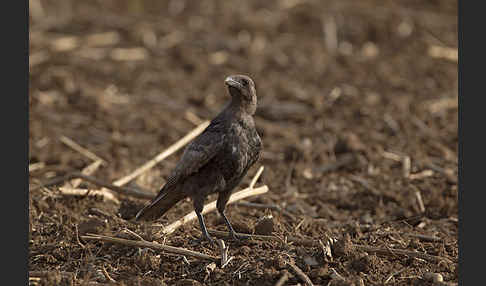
(379, 95)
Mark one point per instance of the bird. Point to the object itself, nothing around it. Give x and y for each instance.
(216, 161)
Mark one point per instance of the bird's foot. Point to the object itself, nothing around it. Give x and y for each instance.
(232, 233)
(203, 239)
(237, 238)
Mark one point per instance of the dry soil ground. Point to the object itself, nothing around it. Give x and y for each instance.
(357, 112)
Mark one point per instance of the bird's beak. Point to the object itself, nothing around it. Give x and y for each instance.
(229, 81)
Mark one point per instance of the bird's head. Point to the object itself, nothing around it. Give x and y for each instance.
(242, 90)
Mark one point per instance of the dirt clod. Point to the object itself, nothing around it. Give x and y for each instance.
(128, 209)
(434, 277)
(93, 225)
(264, 226)
(364, 263)
(343, 247)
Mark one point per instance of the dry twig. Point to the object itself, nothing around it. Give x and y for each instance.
(77, 236)
(122, 190)
(406, 166)
(129, 54)
(44, 274)
(107, 196)
(385, 251)
(220, 233)
(88, 170)
(152, 245)
(255, 178)
(69, 142)
(391, 156)
(329, 28)
(291, 239)
(224, 253)
(193, 118)
(100, 213)
(421, 175)
(300, 273)
(449, 173)
(422, 237)
(107, 276)
(283, 278)
(133, 234)
(443, 53)
(36, 166)
(420, 202)
(394, 274)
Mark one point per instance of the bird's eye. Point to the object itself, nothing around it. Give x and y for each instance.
(244, 82)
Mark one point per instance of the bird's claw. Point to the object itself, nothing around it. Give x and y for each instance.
(237, 238)
(203, 239)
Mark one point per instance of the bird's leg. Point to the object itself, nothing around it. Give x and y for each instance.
(221, 205)
(203, 228)
(198, 208)
(231, 230)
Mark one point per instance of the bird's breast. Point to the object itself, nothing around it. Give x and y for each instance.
(243, 149)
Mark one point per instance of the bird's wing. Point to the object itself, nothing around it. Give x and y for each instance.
(197, 154)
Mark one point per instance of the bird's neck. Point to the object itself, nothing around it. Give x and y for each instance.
(240, 108)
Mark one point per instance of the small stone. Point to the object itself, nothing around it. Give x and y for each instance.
(65, 44)
(129, 54)
(188, 282)
(264, 226)
(307, 173)
(342, 247)
(242, 226)
(405, 29)
(434, 277)
(370, 50)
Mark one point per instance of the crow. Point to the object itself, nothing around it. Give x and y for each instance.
(215, 161)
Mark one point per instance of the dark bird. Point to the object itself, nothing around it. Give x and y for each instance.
(215, 161)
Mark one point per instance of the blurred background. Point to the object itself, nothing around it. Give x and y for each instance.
(125, 77)
(374, 79)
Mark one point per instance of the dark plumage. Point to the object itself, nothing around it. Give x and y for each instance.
(216, 160)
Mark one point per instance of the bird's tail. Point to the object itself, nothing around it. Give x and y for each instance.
(164, 201)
